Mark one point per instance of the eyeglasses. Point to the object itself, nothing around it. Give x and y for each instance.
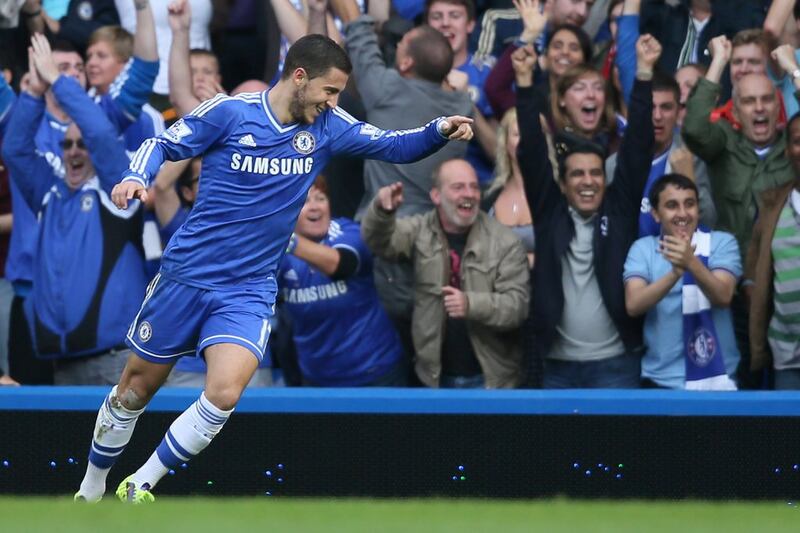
(66, 144)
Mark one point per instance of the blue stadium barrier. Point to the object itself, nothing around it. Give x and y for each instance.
(428, 401)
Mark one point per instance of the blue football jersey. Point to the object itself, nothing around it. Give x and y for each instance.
(342, 334)
(255, 176)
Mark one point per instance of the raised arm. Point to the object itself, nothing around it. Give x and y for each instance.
(635, 154)
(292, 23)
(371, 74)
(541, 190)
(627, 36)
(144, 41)
(181, 95)
(28, 168)
(704, 138)
(385, 235)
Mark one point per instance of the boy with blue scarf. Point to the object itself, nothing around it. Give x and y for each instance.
(684, 281)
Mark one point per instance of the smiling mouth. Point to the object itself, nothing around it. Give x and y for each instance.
(587, 195)
(589, 113)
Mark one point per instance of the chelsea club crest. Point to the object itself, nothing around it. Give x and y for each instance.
(145, 331)
(304, 142)
(702, 347)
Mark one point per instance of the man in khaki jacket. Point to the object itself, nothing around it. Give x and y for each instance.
(471, 281)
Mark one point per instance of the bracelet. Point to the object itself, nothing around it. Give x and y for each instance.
(31, 15)
(644, 75)
(290, 248)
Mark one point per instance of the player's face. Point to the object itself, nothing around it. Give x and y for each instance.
(314, 96)
(205, 70)
(453, 22)
(677, 211)
(315, 217)
(584, 103)
(584, 183)
(78, 165)
(71, 64)
(563, 52)
(458, 198)
(102, 65)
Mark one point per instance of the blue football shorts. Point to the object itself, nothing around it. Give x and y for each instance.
(178, 320)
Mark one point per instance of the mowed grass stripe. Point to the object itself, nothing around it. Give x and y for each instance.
(225, 515)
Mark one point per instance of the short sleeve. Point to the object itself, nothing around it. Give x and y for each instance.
(638, 264)
(346, 234)
(725, 254)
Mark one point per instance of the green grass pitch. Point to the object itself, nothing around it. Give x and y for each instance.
(233, 515)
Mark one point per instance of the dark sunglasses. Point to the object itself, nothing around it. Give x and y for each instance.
(66, 144)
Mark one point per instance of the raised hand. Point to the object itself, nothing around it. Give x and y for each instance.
(533, 18)
(784, 56)
(179, 15)
(43, 60)
(679, 252)
(31, 82)
(456, 128)
(458, 80)
(523, 60)
(126, 191)
(648, 50)
(720, 48)
(390, 197)
(317, 5)
(681, 161)
(207, 89)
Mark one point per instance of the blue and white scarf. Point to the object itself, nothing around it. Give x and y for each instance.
(705, 366)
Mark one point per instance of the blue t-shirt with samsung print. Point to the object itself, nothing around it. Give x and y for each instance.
(254, 180)
(342, 334)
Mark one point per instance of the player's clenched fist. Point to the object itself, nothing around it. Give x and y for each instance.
(124, 192)
(390, 197)
(456, 128)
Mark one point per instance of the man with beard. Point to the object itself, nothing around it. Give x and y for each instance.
(683, 280)
(215, 292)
(470, 281)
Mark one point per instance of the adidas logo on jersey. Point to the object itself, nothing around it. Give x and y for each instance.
(291, 275)
(248, 140)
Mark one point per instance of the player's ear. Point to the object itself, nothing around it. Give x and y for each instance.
(300, 76)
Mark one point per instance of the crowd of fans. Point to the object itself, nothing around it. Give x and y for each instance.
(627, 214)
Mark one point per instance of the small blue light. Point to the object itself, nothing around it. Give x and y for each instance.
(52, 464)
(588, 473)
(280, 466)
(576, 465)
(184, 465)
(268, 493)
(455, 478)
(71, 461)
(6, 463)
(607, 469)
(280, 480)
(600, 465)
(461, 468)
(795, 467)
(619, 476)
(777, 470)
(268, 473)
(171, 472)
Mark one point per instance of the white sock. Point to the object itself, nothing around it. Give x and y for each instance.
(188, 435)
(112, 431)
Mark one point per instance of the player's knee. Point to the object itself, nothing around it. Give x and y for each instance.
(223, 398)
(130, 398)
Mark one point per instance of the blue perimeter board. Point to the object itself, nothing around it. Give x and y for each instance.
(435, 402)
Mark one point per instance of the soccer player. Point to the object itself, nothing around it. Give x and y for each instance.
(216, 288)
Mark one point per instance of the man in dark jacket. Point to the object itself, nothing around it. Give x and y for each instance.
(583, 232)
